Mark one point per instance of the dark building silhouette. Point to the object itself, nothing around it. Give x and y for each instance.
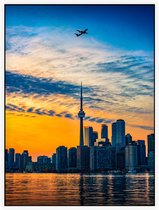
(131, 156)
(54, 160)
(114, 134)
(11, 159)
(25, 156)
(120, 134)
(151, 152)
(102, 158)
(141, 153)
(95, 136)
(18, 162)
(61, 159)
(43, 159)
(72, 157)
(88, 136)
(128, 139)
(83, 158)
(104, 131)
(120, 159)
(151, 142)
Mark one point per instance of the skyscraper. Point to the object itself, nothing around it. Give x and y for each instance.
(88, 136)
(61, 159)
(72, 157)
(131, 157)
(83, 158)
(11, 158)
(128, 139)
(141, 152)
(81, 115)
(114, 134)
(24, 159)
(18, 162)
(120, 138)
(151, 143)
(104, 131)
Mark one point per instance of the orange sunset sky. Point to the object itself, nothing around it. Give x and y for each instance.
(46, 62)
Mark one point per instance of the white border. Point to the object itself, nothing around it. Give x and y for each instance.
(2, 2)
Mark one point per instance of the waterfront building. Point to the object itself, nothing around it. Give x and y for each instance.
(72, 157)
(102, 142)
(83, 158)
(151, 143)
(93, 158)
(6, 159)
(120, 159)
(95, 136)
(88, 136)
(131, 157)
(120, 134)
(114, 131)
(102, 158)
(128, 139)
(61, 159)
(54, 160)
(11, 159)
(43, 159)
(25, 156)
(151, 161)
(104, 131)
(141, 154)
(18, 162)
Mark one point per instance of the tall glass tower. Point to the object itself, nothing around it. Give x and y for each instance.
(81, 115)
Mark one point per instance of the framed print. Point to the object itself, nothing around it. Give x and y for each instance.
(79, 105)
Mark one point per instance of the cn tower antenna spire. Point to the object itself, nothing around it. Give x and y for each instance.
(81, 98)
(81, 115)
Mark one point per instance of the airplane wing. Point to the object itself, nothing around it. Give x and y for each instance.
(85, 30)
(79, 31)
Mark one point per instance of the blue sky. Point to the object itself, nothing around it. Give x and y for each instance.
(46, 62)
(124, 27)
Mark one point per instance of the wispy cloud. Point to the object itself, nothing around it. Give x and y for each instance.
(46, 62)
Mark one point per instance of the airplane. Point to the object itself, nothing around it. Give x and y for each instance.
(81, 32)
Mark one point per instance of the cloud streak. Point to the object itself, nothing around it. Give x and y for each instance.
(47, 65)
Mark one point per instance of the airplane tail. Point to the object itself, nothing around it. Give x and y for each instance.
(77, 34)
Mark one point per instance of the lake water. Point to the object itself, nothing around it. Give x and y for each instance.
(77, 189)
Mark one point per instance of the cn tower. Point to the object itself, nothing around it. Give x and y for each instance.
(81, 115)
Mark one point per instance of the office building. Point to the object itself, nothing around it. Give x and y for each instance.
(114, 132)
(83, 158)
(104, 131)
(43, 159)
(72, 157)
(102, 158)
(25, 156)
(88, 136)
(151, 161)
(151, 143)
(18, 162)
(95, 136)
(11, 159)
(120, 159)
(54, 160)
(128, 139)
(120, 134)
(131, 157)
(141, 153)
(61, 159)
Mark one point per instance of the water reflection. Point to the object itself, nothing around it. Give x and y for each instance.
(79, 189)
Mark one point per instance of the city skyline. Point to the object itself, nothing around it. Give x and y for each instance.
(48, 63)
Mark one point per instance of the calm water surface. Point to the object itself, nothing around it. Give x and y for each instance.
(77, 189)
